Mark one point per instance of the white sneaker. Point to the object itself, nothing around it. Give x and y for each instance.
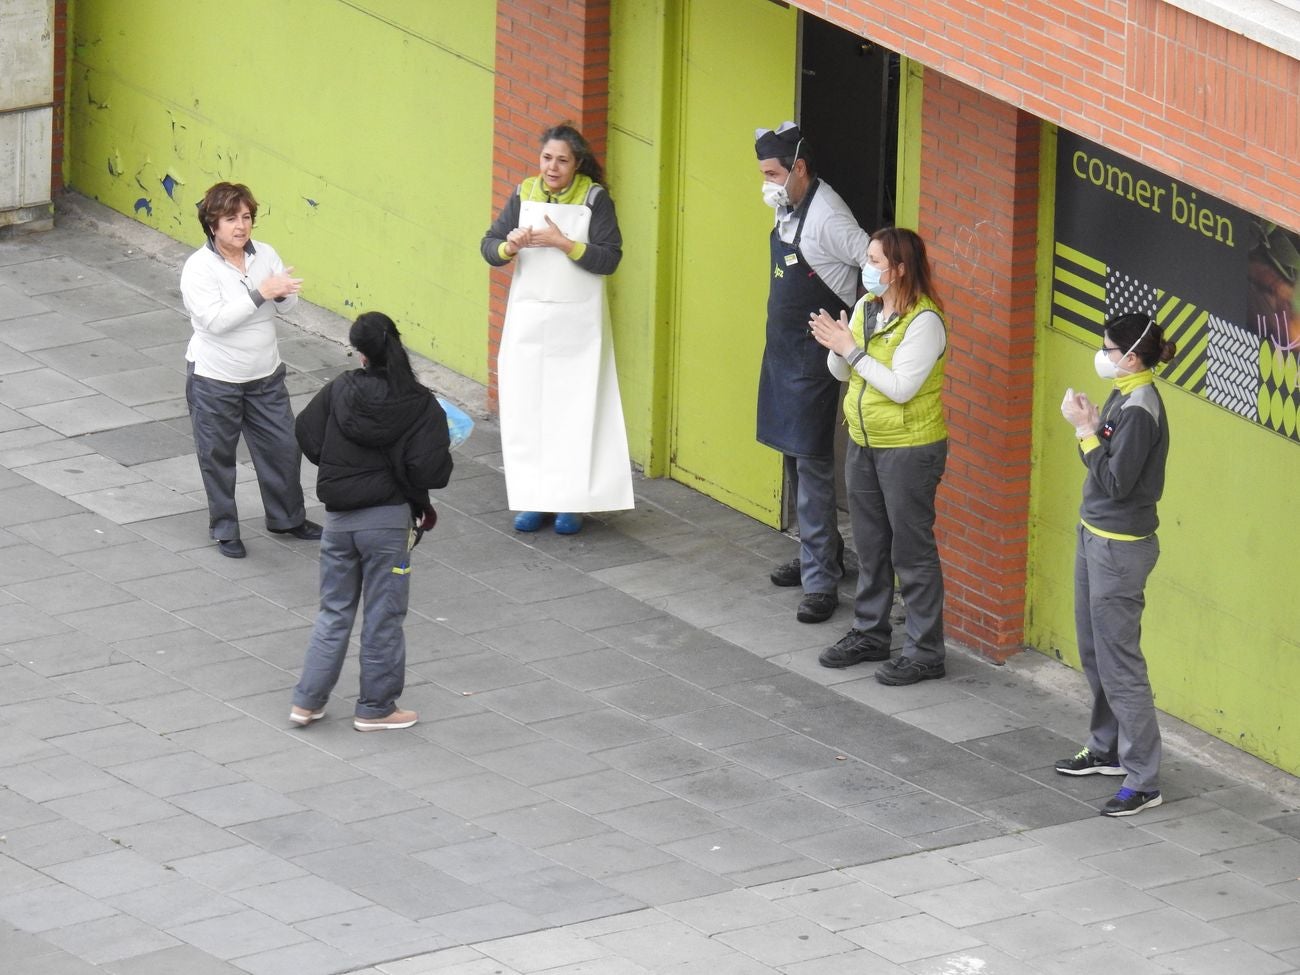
(301, 716)
(395, 721)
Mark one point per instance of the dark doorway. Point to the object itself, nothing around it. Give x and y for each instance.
(848, 109)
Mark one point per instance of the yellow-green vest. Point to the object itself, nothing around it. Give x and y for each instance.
(886, 423)
(574, 194)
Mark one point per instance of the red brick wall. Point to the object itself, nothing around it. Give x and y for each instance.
(1144, 78)
(552, 65)
(60, 109)
(1149, 80)
(979, 200)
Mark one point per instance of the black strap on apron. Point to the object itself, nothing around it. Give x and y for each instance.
(798, 398)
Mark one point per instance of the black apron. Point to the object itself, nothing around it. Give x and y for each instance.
(798, 398)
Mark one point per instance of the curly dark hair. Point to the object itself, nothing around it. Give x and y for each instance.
(224, 200)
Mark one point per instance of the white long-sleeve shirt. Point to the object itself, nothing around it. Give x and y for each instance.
(832, 243)
(914, 359)
(234, 332)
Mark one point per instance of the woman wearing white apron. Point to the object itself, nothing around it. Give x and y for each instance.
(562, 436)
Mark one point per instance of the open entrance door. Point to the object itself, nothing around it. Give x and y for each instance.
(848, 109)
(732, 81)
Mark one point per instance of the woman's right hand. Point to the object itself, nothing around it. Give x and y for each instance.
(280, 285)
(831, 333)
(517, 240)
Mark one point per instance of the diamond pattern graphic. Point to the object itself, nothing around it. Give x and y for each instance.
(1232, 379)
(1233, 367)
(1126, 294)
(1279, 397)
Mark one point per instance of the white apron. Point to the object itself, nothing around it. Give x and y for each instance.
(562, 436)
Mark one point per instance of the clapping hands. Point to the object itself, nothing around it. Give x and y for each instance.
(549, 235)
(1081, 413)
(832, 333)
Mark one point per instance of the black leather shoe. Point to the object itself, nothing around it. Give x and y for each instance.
(817, 607)
(231, 548)
(790, 573)
(308, 531)
(854, 647)
(787, 573)
(905, 670)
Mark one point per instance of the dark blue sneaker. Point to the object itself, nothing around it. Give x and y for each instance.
(528, 521)
(1086, 763)
(568, 523)
(1127, 802)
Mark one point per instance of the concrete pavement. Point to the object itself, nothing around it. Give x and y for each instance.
(628, 761)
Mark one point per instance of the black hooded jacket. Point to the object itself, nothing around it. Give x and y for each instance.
(373, 447)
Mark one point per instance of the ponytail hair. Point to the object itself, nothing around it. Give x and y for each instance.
(1142, 333)
(375, 336)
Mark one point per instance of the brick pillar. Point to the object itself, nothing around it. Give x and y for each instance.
(979, 213)
(60, 88)
(552, 65)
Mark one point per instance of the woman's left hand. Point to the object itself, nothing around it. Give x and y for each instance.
(550, 236)
(832, 333)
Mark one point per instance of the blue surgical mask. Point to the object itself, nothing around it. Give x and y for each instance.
(871, 280)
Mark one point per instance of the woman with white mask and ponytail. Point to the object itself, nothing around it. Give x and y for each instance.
(1124, 446)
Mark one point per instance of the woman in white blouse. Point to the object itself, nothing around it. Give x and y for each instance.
(233, 287)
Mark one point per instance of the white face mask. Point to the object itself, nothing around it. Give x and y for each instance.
(775, 194)
(871, 280)
(1105, 368)
(1108, 368)
(779, 196)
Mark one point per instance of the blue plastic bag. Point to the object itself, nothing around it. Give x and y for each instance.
(459, 423)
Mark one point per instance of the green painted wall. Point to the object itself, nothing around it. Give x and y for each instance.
(636, 163)
(691, 291)
(363, 127)
(911, 93)
(730, 81)
(1219, 631)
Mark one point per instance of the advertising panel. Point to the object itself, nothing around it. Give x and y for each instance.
(1222, 282)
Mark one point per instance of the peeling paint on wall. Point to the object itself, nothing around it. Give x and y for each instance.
(145, 205)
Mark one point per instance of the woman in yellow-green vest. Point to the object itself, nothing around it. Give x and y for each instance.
(892, 353)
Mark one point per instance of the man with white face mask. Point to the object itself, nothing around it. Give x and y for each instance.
(816, 253)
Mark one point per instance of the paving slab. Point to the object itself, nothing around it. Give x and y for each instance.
(628, 761)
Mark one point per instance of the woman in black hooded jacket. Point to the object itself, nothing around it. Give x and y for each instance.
(379, 440)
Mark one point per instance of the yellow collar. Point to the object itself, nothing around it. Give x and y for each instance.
(1126, 384)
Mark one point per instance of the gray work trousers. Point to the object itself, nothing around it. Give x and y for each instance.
(813, 482)
(219, 413)
(1110, 578)
(891, 505)
(373, 564)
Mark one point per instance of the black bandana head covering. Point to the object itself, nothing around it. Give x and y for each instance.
(779, 143)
